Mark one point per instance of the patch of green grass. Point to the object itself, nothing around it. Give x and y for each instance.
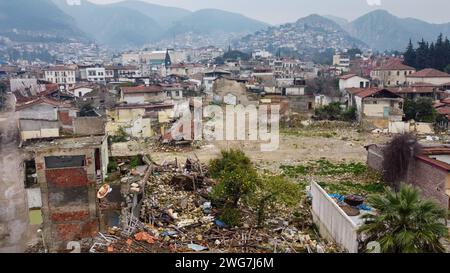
(309, 133)
(323, 167)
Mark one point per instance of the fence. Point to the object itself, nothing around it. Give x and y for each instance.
(332, 221)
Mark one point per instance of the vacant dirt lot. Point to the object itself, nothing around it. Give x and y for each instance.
(296, 145)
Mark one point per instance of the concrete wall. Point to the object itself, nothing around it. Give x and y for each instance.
(85, 126)
(431, 80)
(353, 82)
(332, 221)
(40, 112)
(131, 120)
(375, 158)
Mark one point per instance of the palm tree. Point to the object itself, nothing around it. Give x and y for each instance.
(404, 223)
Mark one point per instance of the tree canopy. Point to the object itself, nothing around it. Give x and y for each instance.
(435, 55)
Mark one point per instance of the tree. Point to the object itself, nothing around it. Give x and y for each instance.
(353, 52)
(236, 175)
(410, 55)
(447, 68)
(237, 179)
(404, 223)
(435, 55)
(421, 110)
(397, 156)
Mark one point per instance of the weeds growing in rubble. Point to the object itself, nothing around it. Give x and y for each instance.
(239, 181)
(323, 167)
(236, 175)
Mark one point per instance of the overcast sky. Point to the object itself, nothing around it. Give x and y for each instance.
(283, 11)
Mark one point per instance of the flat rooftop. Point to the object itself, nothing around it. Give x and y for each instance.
(66, 143)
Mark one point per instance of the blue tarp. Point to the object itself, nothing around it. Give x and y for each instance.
(341, 198)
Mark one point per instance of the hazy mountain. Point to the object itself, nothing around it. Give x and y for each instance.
(136, 23)
(115, 26)
(36, 20)
(338, 20)
(306, 36)
(208, 21)
(384, 31)
(164, 16)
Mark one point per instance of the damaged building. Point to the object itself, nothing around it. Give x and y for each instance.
(67, 173)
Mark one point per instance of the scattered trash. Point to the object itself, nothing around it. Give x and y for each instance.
(144, 236)
(220, 224)
(103, 191)
(196, 247)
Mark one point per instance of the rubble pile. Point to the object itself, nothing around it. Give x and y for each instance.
(176, 215)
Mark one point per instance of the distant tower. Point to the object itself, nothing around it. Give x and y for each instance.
(167, 61)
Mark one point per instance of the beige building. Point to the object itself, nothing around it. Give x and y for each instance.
(393, 73)
(143, 94)
(430, 76)
(378, 106)
(62, 75)
(139, 120)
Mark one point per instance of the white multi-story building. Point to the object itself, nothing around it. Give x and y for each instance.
(62, 75)
(93, 74)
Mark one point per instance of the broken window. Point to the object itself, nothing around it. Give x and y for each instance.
(56, 162)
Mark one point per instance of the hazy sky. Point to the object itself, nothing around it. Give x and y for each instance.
(283, 11)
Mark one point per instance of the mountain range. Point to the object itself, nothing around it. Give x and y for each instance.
(384, 31)
(307, 35)
(133, 23)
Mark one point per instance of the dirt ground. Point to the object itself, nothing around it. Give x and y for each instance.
(295, 146)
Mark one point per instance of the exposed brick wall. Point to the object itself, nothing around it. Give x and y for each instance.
(430, 180)
(69, 177)
(64, 118)
(76, 231)
(70, 216)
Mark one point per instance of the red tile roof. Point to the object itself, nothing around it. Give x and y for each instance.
(429, 73)
(39, 100)
(372, 91)
(413, 89)
(395, 65)
(142, 89)
(443, 110)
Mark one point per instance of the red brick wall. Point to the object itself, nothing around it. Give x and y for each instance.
(430, 180)
(69, 177)
(64, 118)
(76, 231)
(70, 216)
